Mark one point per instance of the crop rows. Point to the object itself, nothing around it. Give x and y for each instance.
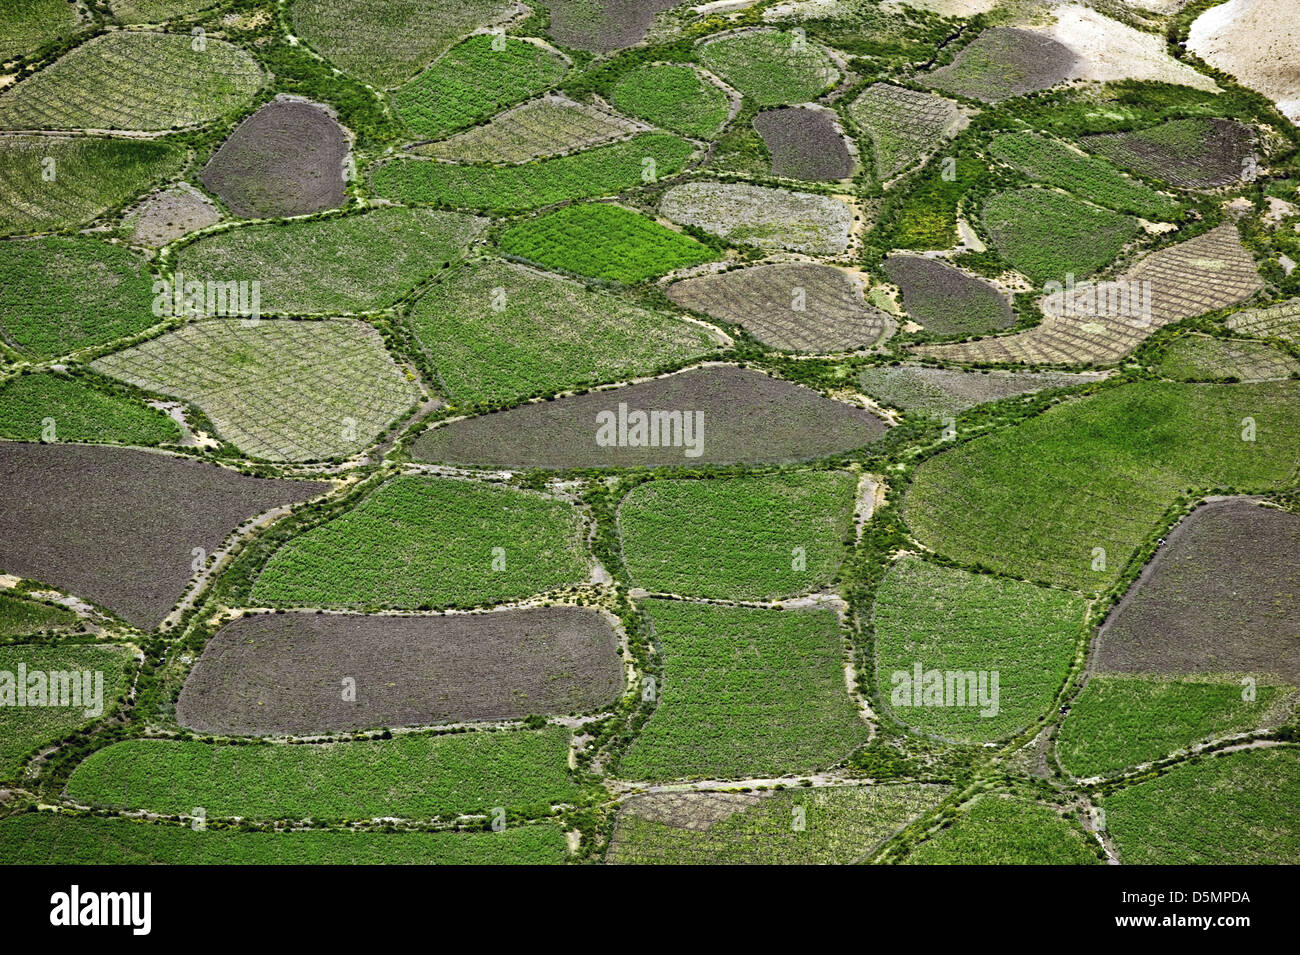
(770, 67)
(905, 126)
(762, 217)
(543, 127)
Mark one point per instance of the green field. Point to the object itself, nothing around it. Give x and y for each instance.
(35, 721)
(373, 258)
(58, 839)
(20, 617)
(155, 11)
(1052, 162)
(410, 776)
(30, 405)
(603, 241)
(771, 68)
(1231, 809)
(602, 171)
(830, 825)
(135, 81)
(1203, 358)
(1048, 235)
(58, 295)
(497, 332)
(430, 542)
(673, 96)
(685, 537)
(949, 620)
(26, 26)
(51, 182)
(277, 389)
(998, 831)
(472, 82)
(1038, 499)
(1119, 721)
(745, 693)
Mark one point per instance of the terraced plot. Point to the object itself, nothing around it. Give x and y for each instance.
(1205, 358)
(1004, 63)
(1232, 809)
(422, 543)
(43, 709)
(1117, 722)
(548, 126)
(602, 171)
(601, 26)
(805, 144)
(762, 217)
(62, 839)
(940, 392)
(683, 537)
(1056, 164)
(1221, 596)
(842, 825)
(771, 67)
(497, 332)
(1101, 322)
(384, 42)
(279, 390)
(673, 96)
(138, 81)
(945, 300)
(1201, 153)
(603, 241)
(26, 27)
(53, 182)
(967, 656)
(54, 407)
(745, 693)
(279, 673)
(414, 776)
(996, 830)
(792, 306)
(905, 126)
(1274, 321)
(58, 295)
(287, 159)
(121, 527)
(374, 258)
(1082, 485)
(170, 214)
(727, 415)
(473, 81)
(1048, 235)
(20, 617)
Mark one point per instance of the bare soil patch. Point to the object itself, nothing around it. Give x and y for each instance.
(120, 526)
(1188, 153)
(1004, 63)
(284, 673)
(287, 159)
(1258, 42)
(602, 26)
(945, 300)
(167, 215)
(805, 144)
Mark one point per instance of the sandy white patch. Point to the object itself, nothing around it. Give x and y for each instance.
(1258, 42)
(947, 8)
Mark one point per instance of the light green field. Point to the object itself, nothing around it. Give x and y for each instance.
(1048, 235)
(949, 620)
(673, 96)
(1036, 500)
(430, 542)
(25, 26)
(373, 258)
(24, 728)
(30, 405)
(136, 81)
(1203, 358)
(20, 617)
(749, 538)
(156, 11)
(771, 68)
(745, 693)
(497, 332)
(1233, 809)
(277, 389)
(1122, 721)
(57, 839)
(998, 831)
(58, 295)
(410, 776)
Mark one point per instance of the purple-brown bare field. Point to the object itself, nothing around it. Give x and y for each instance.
(945, 300)
(794, 306)
(285, 673)
(602, 26)
(805, 144)
(1003, 63)
(1189, 153)
(1222, 595)
(123, 527)
(722, 415)
(285, 160)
